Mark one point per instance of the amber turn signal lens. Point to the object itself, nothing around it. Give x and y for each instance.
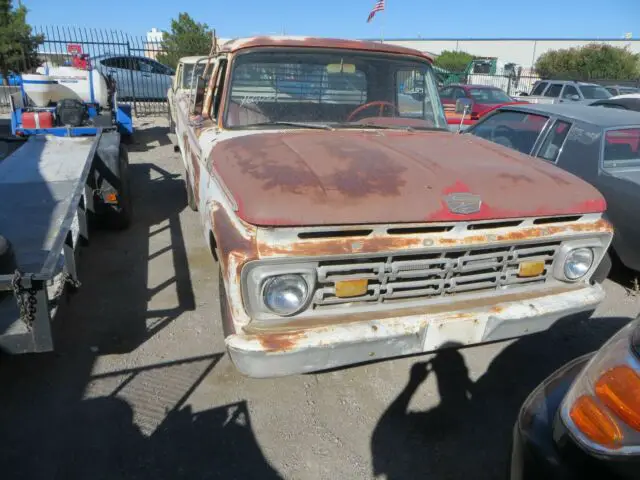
(619, 390)
(595, 423)
(531, 269)
(351, 288)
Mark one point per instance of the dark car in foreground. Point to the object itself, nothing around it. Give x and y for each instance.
(600, 145)
(583, 421)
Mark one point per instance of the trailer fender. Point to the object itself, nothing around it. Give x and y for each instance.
(111, 182)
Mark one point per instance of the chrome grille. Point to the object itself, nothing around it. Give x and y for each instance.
(405, 277)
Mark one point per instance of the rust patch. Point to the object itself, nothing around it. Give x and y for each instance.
(340, 246)
(230, 241)
(279, 342)
(298, 326)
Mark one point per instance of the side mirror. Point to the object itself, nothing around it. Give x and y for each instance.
(574, 97)
(463, 105)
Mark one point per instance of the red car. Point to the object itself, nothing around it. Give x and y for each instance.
(483, 97)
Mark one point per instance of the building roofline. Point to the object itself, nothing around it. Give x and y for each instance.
(495, 39)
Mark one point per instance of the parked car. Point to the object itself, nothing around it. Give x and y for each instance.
(600, 145)
(583, 421)
(616, 90)
(139, 78)
(481, 99)
(350, 232)
(561, 91)
(624, 102)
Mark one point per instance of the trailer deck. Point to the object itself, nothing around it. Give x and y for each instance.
(44, 195)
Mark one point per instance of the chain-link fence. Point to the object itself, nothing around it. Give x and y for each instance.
(131, 61)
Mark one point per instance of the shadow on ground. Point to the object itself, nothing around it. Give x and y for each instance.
(468, 435)
(61, 420)
(148, 138)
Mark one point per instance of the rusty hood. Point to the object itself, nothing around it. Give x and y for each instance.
(296, 178)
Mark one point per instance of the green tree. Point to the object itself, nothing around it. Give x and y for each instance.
(18, 45)
(187, 37)
(592, 62)
(454, 61)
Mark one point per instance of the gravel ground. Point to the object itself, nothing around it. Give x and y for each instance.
(139, 385)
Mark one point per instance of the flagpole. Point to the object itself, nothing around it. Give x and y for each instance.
(382, 29)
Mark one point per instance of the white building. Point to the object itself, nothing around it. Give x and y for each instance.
(522, 51)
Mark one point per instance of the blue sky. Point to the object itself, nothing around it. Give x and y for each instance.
(347, 18)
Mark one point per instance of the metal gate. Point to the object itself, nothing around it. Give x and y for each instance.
(141, 79)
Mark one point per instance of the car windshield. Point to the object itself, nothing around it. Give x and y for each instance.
(517, 130)
(622, 149)
(333, 87)
(489, 95)
(594, 92)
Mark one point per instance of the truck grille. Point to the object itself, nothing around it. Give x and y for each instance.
(410, 277)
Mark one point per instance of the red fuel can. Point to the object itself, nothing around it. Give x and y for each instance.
(37, 120)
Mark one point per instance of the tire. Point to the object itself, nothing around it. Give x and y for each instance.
(602, 272)
(119, 218)
(7, 257)
(191, 198)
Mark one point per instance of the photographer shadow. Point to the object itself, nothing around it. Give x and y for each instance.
(468, 434)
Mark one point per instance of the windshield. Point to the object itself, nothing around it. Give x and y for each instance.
(594, 92)
(489, 95)
(332, 87)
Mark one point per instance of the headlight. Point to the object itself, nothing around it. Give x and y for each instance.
(285, 294)
(602, 407)
(577, 263)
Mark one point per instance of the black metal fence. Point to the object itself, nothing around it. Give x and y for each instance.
(135, 63)
(131, 61)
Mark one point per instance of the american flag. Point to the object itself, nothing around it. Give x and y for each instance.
(378, 7)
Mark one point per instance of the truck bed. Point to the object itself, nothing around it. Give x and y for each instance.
(41, 185)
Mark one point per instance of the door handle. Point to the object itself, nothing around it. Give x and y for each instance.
(146, 74)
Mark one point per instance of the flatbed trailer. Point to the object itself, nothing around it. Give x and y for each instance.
(50, 189)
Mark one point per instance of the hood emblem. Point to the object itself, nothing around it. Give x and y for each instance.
(463, 203)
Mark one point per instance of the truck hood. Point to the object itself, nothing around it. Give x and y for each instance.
(314, 177)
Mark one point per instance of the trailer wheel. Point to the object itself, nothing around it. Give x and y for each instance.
(119, 217)
(191, 198)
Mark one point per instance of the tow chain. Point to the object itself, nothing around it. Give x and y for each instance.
(25, 298)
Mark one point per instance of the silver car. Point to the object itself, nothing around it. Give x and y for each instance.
(138, 78)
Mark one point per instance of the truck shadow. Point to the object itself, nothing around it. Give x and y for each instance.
(51, 432)
(129, 268)
(468, 435)
(70, 414)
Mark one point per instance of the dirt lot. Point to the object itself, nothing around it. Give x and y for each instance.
(140, 387)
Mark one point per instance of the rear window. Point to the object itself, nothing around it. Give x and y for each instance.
(554, 90)
(539, 88)
(489, 95)
(517, 130)
(621, 148)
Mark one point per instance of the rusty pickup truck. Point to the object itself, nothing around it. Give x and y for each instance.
(350, 224)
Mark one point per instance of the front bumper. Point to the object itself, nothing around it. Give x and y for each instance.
(335, 345)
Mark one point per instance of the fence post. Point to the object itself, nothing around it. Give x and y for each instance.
(133, 85)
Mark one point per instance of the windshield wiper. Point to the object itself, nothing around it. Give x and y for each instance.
(316, 126)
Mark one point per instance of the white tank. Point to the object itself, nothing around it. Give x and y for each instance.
(55, 83)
